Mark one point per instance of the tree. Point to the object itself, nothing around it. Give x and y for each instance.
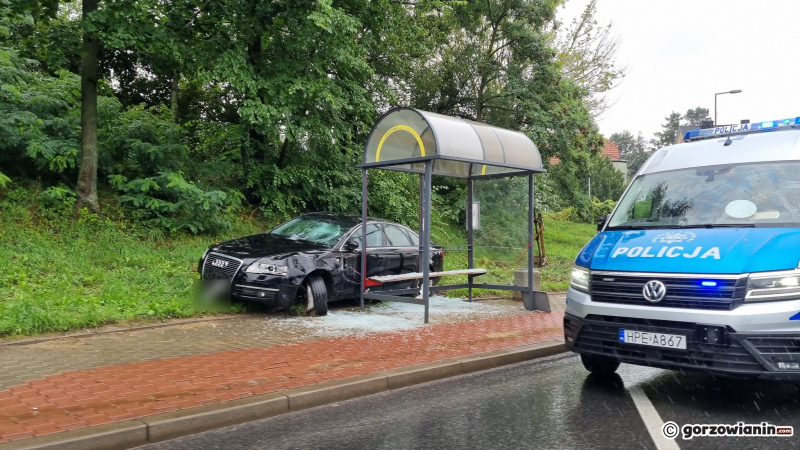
(634, 150)
(493, 62)
(587, 53)
(638, 159)
(607, 182)
(86, 194)
(696, 116)
(626, 143)
(669, 130)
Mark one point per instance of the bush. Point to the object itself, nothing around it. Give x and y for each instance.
(142, 142)
(168, 201)
(40, 117)
(600, 209)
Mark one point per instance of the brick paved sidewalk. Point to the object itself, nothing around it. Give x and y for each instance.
(80, 398)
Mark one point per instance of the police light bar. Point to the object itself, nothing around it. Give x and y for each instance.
(770, 125)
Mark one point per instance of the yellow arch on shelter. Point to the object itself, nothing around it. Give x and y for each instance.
(398, 128)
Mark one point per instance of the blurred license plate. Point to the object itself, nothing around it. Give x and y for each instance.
(653, 339)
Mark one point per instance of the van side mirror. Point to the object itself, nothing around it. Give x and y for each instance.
(350, 245)
(601, 222)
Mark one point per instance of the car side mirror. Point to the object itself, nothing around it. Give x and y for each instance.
(350, 245)
(601, 222)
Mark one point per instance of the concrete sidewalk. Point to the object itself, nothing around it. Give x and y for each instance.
(74, 383)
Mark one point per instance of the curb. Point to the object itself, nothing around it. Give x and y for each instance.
(161, 427)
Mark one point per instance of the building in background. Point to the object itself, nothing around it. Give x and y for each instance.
(682, 130)
(611, 151)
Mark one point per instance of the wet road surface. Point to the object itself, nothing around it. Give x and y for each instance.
(546, 404)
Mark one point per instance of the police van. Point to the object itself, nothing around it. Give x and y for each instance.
(697, 266)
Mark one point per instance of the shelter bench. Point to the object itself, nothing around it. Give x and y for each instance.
(418, 275)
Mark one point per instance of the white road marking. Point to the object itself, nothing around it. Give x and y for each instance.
(651, 419)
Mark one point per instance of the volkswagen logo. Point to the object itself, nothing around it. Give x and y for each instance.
(219, 263)
(654, 291)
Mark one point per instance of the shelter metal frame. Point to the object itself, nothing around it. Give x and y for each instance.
(531, 164)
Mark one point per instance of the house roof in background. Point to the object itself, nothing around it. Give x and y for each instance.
(611, 150)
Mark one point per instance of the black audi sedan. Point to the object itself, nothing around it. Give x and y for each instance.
(313, 259)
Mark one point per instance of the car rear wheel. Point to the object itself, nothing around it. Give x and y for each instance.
(317, 294)
(600, 365)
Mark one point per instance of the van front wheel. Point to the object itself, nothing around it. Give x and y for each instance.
(600, 365)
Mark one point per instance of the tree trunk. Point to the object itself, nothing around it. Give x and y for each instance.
(173, 96)
(87, 175)
(282, 154)
(257, 139)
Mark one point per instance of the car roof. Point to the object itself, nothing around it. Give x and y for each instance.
(783, 145)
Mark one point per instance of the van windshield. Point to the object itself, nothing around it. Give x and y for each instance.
(748, 195)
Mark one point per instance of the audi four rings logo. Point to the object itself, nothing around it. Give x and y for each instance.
(654, 291)
(219, 263)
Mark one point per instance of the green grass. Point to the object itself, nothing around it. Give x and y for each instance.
(66, 277)
(60, 276)
(563, 241)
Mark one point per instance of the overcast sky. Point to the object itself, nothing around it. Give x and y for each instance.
(679, 53)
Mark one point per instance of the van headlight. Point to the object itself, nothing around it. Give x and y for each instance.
(579, 280)
(267, 267)
(773, 286)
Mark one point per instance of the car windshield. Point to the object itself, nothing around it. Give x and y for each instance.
(759, 194)
(312, 229)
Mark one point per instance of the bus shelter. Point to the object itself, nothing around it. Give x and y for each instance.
(410, 140)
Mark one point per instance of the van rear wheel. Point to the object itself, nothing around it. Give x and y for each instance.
(600, 365)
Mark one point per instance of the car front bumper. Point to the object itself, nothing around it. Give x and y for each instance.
(749, 340)
(264, 289)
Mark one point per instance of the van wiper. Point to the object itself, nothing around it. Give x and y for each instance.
(683, 227)
(652, 227)
(729, 225)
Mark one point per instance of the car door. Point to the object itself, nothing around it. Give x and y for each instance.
(402, 256)
(376, 256)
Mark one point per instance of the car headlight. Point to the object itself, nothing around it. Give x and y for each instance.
(268, 268)
(579, 279)
(773, 286)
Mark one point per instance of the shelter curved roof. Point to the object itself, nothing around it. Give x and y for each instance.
(404, 138)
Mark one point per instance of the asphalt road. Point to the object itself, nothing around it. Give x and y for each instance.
(546, 404)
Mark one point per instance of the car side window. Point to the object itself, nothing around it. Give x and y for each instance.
(396, 236)
(374, 236)
(414, 237)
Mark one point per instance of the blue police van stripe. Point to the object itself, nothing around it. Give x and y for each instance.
(694, 250)
(795, 317)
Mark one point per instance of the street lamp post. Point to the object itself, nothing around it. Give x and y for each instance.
(735, 91)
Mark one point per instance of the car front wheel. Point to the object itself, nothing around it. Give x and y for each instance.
(317, 295)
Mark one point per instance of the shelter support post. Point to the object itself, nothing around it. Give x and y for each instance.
(470, 254)
(539, 300)
(363, 237)
(425, 228)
